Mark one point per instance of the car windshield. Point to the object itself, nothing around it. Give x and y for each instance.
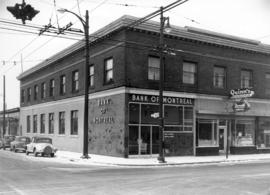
(22, 139)
(44, 140)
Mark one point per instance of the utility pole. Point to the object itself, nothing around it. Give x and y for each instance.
(4, 105)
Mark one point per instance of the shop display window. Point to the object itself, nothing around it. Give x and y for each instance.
(207, 133)
(173, 115)
(134, 113)
(243, 133)
(147, 112)
(263, 137)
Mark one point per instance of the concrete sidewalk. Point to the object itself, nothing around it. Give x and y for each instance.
(72, 157)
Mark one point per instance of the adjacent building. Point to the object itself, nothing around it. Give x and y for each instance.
(216, 93)
(12, 118)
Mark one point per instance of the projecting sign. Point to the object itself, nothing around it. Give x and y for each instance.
(241, 106)
(241, 93)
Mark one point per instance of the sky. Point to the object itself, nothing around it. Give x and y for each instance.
(20, 51)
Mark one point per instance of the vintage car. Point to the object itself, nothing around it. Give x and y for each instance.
(41, 145)
(19, 144)
(5, 141)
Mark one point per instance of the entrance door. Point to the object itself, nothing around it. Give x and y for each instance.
(222, 138)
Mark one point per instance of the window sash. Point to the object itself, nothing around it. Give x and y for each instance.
(109, 70)
(246, 79)
(219, 77)
(51, 123)
(74, 122)
(52, 86)
(153, 68)
(189, 73)
(62, 123)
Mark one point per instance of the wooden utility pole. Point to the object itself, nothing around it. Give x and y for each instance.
(4, 105)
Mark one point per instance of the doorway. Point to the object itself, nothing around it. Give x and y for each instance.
(143, 140)
(222, 138)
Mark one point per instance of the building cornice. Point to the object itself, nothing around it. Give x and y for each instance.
(186, 33)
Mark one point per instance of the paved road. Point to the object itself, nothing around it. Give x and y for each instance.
(21, 175)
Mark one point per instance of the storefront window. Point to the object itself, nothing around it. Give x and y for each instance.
(134, 113)
(133, 140)
(173, 115)
(207, 133)
(147, 114)
(263, 138)
(243, 134)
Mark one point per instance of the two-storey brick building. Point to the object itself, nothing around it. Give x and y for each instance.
(200, 116)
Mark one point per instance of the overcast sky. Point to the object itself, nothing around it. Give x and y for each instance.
(244, 18)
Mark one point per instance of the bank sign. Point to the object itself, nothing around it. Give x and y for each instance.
(155, 99)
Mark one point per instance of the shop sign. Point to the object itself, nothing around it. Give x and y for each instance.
(241, 106)
(155, 99)
(241, 93)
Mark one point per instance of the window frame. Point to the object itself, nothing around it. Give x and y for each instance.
(35, 123)
(224, 78)
(42, 123)
(91, 75)
(62, 128)
(74, 122)
(194, 74)
(51, 123)
(153, 69)
(29, 94)
(62, 84)
(75, 81)
(243, 85)
(43, 90)
(28, 124)
(35, 92)
(52, 88)
(108, 70)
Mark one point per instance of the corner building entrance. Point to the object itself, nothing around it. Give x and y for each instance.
(144, 125)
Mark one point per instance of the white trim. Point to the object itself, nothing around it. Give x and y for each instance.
(123, 90)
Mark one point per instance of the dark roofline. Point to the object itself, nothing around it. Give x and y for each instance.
(183, 32)
(12, 110)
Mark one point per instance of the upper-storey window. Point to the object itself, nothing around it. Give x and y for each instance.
(153, 68)
(108, 71)
(75, 81)
(43, 90)
(267, 84)
(52, 87)
(62, 85)
(219, 79)
(91, 75)
(35, 92)
(22, 95)
(246, 78)
(189, 73)
(29, 93)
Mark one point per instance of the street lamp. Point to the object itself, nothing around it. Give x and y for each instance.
(167, 29)
(85, 24)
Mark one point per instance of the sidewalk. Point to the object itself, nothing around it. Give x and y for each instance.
(75, 158)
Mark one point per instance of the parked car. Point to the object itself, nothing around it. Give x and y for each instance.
(41, 145)
(5, 141)
(20, 143)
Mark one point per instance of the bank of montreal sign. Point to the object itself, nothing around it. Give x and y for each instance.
(240, 96)
(155, 99)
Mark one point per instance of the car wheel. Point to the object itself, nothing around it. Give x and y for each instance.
(42, 154)
(4, 148)
(52, 154)
(35, 153)
(26, 152)
(15, 150)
